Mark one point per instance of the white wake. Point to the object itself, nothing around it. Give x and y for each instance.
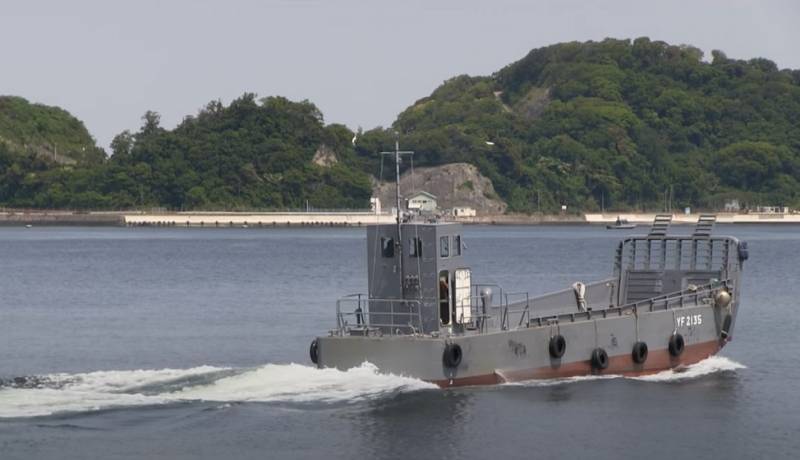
(60, 393)
(710, 365)
(707, 366)
(291, 383)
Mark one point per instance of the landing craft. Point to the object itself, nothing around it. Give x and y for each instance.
(671, 301)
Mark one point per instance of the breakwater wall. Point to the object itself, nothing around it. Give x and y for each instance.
(722, 218)
(265, 219)
(61, 218)
(523, 219)
(341, 219)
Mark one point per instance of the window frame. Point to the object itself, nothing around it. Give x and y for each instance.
(444, 246)
(415, 247)
(387, 251)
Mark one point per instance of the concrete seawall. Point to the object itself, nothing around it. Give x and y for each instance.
(340, 219)
(238, 219)
(524, 219)
(722, 218)
(61, 218)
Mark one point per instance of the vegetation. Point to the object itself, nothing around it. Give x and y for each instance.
(618, 123)
(46, 131)
(250, 154)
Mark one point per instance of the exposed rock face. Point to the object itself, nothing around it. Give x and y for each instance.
(534, 103)
(455, 184)
(325, 156)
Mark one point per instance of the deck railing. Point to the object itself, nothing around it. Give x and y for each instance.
(686, 298)
(404, 317)
(391, 321)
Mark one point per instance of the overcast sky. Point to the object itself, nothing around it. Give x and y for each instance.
(360, 62)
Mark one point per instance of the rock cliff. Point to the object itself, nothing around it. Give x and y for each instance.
(455, 184)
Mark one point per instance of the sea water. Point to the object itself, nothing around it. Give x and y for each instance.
(193, 343)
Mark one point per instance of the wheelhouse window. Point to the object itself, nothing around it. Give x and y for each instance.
(415, 247)
(387, 247)
(444, 246)
(457, 245)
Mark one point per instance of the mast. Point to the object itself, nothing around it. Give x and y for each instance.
(397, 193)
(398, 217)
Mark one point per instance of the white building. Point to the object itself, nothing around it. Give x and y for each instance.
(422, 201)
(375, 204)
(463, 211)
(732, 206)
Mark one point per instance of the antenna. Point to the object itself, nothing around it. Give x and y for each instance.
(397, 152)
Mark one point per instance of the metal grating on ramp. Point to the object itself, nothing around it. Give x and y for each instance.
(660, 225)
(705, 224)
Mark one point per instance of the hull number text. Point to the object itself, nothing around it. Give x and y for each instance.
(690, 320)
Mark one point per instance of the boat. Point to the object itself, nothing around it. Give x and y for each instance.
(671, 301)
(620, 224)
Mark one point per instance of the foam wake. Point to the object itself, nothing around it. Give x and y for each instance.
(60, 393)
(290, 383)
(711, 365)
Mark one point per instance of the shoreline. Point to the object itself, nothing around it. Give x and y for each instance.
(345, 219)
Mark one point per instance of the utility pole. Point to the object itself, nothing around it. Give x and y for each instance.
(538, 201)
(671, 195)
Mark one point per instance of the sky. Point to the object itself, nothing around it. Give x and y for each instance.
(360, 61)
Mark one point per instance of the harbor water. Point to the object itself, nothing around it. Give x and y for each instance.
(188, 343)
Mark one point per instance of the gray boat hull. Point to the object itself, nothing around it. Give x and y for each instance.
(672, 301)
(523, 353)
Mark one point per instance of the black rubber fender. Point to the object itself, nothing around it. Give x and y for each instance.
(557, 346)
(726, 326)
(313, 351)
(452, 355)
(676, 345)
(639, 352)
(599, 359)
(743, 252)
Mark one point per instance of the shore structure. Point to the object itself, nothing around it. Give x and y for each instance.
(690, 219)
(15, 217)
(264, 219)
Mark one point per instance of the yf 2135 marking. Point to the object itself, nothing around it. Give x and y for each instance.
(689, 320)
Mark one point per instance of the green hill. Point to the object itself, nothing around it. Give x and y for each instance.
(618, 122)
(46, 131)
(250, 154)
(628, 124)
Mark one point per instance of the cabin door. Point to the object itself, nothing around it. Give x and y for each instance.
(462, 282)
(445, 288)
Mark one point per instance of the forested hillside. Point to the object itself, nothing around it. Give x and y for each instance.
(45, 131)
(619, 122)
(250, 154)
(623, 123)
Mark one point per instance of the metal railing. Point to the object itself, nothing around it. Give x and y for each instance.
(689, 297)
(676, 252)
(363, 317)
(521, 313)
(696, 293)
